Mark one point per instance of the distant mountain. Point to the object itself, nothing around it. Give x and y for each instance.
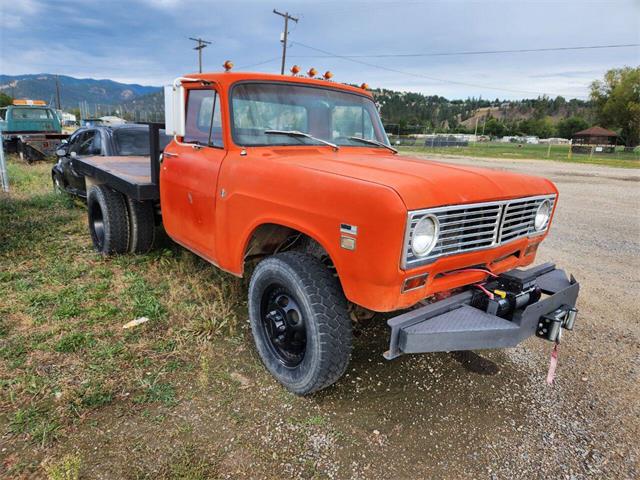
(72, 90)
(151, 102)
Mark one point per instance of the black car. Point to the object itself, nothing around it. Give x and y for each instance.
(117, 140)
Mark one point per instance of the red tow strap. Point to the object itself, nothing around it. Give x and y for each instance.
(553, 364)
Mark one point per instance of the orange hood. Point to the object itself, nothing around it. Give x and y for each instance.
(420, 183)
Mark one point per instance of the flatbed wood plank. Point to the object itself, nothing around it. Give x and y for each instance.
(128, 175)
(136, 170)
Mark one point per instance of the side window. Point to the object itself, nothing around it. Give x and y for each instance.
(204, 118)
(86, 144)
(76, 140)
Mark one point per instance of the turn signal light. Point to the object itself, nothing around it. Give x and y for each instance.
(413, 283)
(312, 72)
(228, 65)
(295, 70)
(327, 75)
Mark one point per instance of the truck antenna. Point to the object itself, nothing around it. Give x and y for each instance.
(286, 17)
(201, 44)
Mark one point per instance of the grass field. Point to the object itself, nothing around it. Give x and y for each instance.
(67, 367)
(540, 152)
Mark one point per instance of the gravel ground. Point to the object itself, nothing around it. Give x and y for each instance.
(588, 424)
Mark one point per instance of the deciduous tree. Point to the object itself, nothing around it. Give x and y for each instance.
(617, 101)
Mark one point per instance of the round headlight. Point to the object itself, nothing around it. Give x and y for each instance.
(425, 236)
(542, 215)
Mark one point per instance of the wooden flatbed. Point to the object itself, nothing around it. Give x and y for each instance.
(128, 175)
(134, 176)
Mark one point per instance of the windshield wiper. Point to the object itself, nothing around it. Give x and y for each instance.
(374, 142)
(296, 133)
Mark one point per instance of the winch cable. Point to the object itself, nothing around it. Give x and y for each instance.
(487, 292)
(488, 272)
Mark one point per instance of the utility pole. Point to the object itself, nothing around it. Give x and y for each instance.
(201, 44)
(286, 17)
(58, 106)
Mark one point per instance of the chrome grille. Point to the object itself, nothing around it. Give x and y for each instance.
(465, 228)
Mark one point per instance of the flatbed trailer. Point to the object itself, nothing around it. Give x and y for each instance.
(137, 177)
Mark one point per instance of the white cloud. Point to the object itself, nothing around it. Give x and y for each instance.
(13, 14)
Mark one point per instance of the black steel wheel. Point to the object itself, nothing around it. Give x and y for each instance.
(108, 220)
(284, 325)
(299, 321)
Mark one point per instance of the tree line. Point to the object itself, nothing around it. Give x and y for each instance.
(614, 103)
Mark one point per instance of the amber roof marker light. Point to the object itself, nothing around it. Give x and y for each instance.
(364, 86)
(328, 75)
(312, 72)
(228, 65)
(295, 70)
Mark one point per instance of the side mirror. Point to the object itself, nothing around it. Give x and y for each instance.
(174, 110)
(61, 152)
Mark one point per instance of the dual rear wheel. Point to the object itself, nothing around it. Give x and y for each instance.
(119, 224)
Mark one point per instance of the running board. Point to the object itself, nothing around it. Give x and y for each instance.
(454, 324)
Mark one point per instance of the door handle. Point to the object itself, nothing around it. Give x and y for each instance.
(169, 154)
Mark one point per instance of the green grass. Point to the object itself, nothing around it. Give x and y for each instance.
(64, 355)
(539, 152)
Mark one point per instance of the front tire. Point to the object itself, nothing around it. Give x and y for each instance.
(108, 220)
(299, 321)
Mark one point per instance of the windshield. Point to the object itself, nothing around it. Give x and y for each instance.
(324, 113)
(135, 141)
(31, 114)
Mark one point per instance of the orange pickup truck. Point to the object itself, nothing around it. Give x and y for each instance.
(293, 179)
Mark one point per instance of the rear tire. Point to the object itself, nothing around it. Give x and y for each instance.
(108, 220)
(290, 289)
(142, 228)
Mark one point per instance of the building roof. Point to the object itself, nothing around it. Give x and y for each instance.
(595, 132)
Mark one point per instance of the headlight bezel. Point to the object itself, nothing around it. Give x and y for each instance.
(546, 203)
(434, 240)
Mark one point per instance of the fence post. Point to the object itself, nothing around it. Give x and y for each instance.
(3, 167)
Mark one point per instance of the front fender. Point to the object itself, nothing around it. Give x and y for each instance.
(316, 204)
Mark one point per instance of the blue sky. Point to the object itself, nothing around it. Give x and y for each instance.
(146, 41)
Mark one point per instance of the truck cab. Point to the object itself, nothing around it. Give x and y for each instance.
(29, 116)
(31, 129)
(292, 180)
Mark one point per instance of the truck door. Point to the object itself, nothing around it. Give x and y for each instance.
(189, 175)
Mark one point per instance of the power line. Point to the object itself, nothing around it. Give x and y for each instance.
(482, 52)
(418, 75)
(286, 17)
(201, 44)
(242, 67)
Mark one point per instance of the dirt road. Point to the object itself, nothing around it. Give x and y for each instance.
(211, 410)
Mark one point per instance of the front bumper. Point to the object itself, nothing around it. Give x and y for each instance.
(542, 300)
